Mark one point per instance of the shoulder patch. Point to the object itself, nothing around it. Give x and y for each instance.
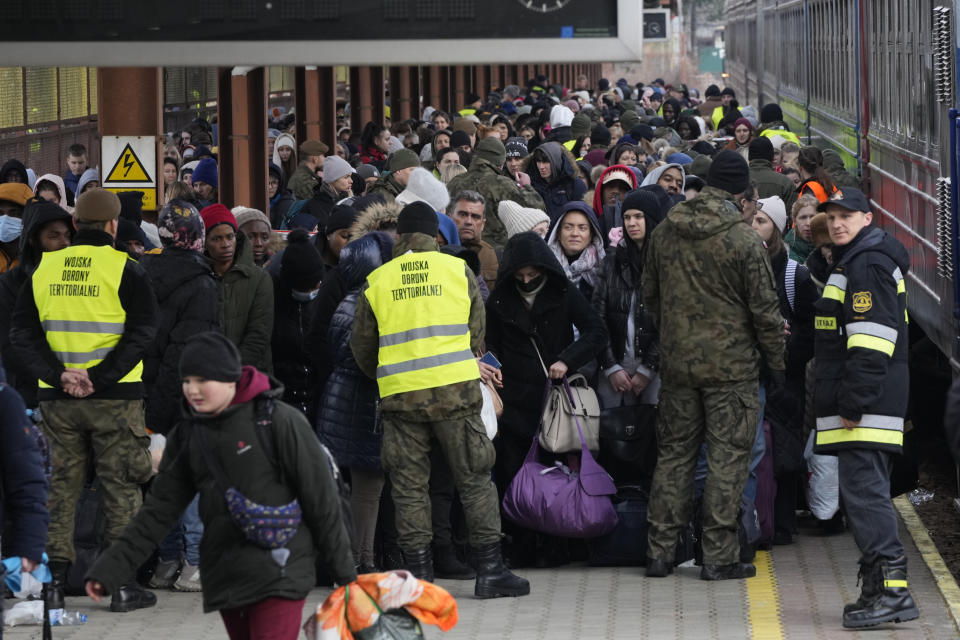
(862, 301)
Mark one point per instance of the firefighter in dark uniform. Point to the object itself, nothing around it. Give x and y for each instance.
(861, 396)
(83, 323)
(419, 320)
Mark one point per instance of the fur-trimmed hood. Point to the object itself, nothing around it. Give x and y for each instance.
(375, 218)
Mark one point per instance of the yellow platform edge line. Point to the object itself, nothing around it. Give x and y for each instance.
(763, 596)
(928, 551)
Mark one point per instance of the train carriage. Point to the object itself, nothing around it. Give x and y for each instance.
(876, 81)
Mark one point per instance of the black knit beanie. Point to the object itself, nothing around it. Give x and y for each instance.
(418, 217)
(771, 113)
(600, 136)
(301, 266)
(761, 149)
(341, 217)
(729, 171)
(212, 356)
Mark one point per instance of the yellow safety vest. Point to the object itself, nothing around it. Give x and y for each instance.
(569, 145)
(789, 136)
(77, 293)
(422, 305)
(716, 116)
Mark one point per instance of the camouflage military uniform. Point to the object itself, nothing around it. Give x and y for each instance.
(387, 186)
(302, 182)
(709, 285)
(485, 177)
(449, 413)
(114, 430)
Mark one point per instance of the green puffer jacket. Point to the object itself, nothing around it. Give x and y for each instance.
(485, 178)
(770, 183)
(708, 284)
(446, 402)
(246, 307)
(302, 182)
(236, 572)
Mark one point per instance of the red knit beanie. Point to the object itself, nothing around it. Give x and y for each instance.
(217, 214)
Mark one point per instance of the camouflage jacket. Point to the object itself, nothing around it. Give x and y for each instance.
(708, 283)
(427, 405)
(302, 182)
(387, 186)
(494, 186)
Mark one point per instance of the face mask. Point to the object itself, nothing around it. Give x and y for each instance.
(530, 285)
(10, 228)
(305, 296)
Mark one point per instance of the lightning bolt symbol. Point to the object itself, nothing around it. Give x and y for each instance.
(127, 163)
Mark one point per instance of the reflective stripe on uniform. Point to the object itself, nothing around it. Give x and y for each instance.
(873, 329)
(864, 341)
(394, 339)
(418, 364)
(860, 434)
(82, 357)
(894, 584)
(836, 288)
(83, 326)
(901, 283)
(873, 420)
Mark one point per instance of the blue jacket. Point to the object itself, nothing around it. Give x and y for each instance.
(23, 493)
(347, 420)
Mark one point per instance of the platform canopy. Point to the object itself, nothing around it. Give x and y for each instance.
(317, 32)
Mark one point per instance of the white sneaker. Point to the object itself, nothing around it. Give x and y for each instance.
(189, 579)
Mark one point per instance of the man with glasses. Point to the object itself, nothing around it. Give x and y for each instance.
(467, 211)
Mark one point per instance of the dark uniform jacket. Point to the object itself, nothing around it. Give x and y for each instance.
(708, 283)
(861, 345)
(140, 305)
(446, 402)
(236, 572)
(188, 304)
(558, 308)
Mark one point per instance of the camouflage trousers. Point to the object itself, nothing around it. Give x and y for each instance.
(112, 431)
(726, 417)
(470, 454)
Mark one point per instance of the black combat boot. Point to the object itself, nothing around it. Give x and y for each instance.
(419, 563)
(659, 568)
(494, 580)
(734, 571)
(131, 597)
(892, 603)
(57, 589)
(446, 564)
(869, 578)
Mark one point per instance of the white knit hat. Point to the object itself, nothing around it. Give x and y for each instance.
(517, 219)
(424, 187)
(335, 167)
(774, 209)
(560, 116)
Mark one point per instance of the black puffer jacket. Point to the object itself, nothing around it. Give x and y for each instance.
(188, 298)
(557, 309)
(563, 186)
(347, 419)
(35, 216)
(620, 286)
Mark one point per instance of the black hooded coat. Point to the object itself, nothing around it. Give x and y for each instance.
(563, 185)
(14, 165)
(35, 216)
(557, 309)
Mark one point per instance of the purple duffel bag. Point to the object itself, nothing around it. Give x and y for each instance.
(559, 502)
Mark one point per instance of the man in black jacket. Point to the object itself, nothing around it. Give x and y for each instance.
(83, 324)
(861, 396)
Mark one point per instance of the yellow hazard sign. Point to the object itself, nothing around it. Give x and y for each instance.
(128, 168)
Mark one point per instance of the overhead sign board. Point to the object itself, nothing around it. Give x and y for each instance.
(131, 165)
(328, 32)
